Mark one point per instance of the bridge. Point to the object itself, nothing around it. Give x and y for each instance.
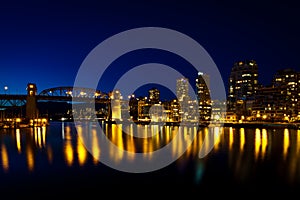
(58, 94)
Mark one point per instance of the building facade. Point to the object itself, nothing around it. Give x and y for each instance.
(203, 95)
(281, 100)
(243, 86)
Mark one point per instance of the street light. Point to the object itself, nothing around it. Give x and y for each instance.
(5, 88)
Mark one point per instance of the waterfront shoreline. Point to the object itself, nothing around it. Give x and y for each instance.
(257, 124)
(262, 125)
(207, 124)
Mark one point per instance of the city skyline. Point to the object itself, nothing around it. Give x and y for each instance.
(143, 90)
(45, 43)
(97, 96)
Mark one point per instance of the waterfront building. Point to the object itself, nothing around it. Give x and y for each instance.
(243, 86)
(280, 100)
(203, 95)
(153, 96)
(182, 89)
(218, 110)
(116, 98)
(182, 92)
(288, 83)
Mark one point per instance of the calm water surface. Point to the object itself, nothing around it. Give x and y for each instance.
(53, 160)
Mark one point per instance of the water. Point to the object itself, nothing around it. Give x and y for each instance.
(53, 160)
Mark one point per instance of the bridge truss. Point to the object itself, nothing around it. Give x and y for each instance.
(56, 94)
(12, 100)
(74, 92)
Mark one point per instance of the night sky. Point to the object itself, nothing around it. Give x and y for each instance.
(45, 42)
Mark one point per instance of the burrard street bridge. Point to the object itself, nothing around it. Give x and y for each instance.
(66, 94)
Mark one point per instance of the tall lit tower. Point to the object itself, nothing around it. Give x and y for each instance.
(242, 86)
(182, 92)
(287, 82)
(182, 89)
(203, 95)
(153, 95)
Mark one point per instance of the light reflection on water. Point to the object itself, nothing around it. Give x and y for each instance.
(4, 158)
(244, 151)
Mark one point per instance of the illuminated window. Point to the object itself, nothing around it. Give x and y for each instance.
(246, 75)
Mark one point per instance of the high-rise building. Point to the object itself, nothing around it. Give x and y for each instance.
(133, 107)
(182, 89)
(243, 85)
(153, 96)
(182, 92)
(203, 95)
(287, 82)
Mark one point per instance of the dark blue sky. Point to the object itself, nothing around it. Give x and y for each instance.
(45, 42)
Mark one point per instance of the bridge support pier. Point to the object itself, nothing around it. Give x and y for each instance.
(31, 103)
